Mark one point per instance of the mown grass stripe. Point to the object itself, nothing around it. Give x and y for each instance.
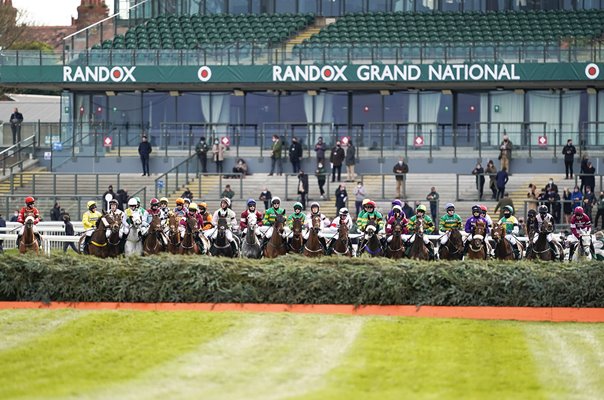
(267, 356)
(398, 358)
(20, 326)
(103, 348)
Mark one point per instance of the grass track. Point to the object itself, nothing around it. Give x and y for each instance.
(192, 355)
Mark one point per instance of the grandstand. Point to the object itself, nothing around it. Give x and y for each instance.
(437, 82)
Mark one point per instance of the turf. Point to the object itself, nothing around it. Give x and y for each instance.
(193, 355)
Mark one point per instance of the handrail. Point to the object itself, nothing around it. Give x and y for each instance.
(164, 178)
(17, 180)
(17, 149)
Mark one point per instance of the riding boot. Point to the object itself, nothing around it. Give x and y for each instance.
(86, 243)
(233, 247)
(38, 239)
(199, 244)
(554, 249)
(18, 240)
(571, 251)
(516, 252)
(431, 250)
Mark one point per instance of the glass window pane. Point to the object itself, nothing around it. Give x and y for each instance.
(378, 5)
(215, 6)
(451, 5)
(331, 8)
(238, 6)
(473, 5)
(353, 6)
(307, 6)
(285, 6)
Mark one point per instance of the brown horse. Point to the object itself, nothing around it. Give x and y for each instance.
(396, 247)
(276, 245)
(296, 243)
(541, 249)
(113, 241)
(453, 249)
(173, 234)
(418, 249)
(341, 246)
(188, 245)
(154, 242)
(28, 241)
(313, 246)
(221, 246)
(477, 248)
(99, 245)
(503, 247)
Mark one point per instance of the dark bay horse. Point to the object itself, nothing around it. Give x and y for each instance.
(296, 243)
(173, 234)
(313, 246)
(99, 245)
(341, 246)
(188, 245)
(477, 248)
(250, 248)
(276, 245)
(503, 247)
(541, 249)
(221, 246)
(418, 249)
(396, 247)
(453, 249)
(28, 241)
(154, 242)
(113, 241)
(371, 244)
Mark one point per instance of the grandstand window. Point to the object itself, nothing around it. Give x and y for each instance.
(354, 6)
(238, 6)
(292, 108)
(451, 5)
(378, 5)
(308, 6)
(473, 5)
(285, 6)
(260, 108)
(331, 8)
(215, 6)
(403, 5)
(158, 108)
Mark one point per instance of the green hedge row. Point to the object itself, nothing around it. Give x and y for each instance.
(297, 280)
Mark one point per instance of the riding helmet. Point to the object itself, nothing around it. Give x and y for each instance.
(91, 204)
(450, 206)
(298, 206)
(421, 207)
(30, 200)
(579, 210)
(508, 208)
(543, 209)
(251, 202)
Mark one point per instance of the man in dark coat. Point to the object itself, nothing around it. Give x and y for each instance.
(569, 152)
(201, 149)
(144, 149)
(320, 150)
(303, 188)
(337, 159)
(16, 119)
(295, 155)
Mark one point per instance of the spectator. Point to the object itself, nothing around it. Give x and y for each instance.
(62, 214)
(400, 169)
(551, 186)
(144, 150)
(433, 197)
(122, 199)
(532, 197)
(505, 201)
(600, 212)
(218, 154)
(303, 188)
(187, 194)
(588, 177)
(240, 168)
(502, 180)
(107, 197)
(16, 119)
(320, 149)
(492, 172)
(2, 225)
(576, 197)
(68, 232)
(569, 152)
(479, 172)
(567, 207)
(505, 153)
(276, 155)
(15, 216)
(341, 198)
(295, 156)
(588, 201)
(350, 161)
(408, 210)
(336, 159)
(553, 204)
(228, 192)
(359, 196)
(201, 149)
(321, 178)
(584, 160)
(266, 197)
(55, 212)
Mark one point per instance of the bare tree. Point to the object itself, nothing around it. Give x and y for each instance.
(10, 29)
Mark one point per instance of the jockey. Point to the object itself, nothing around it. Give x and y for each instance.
(27, 211)
(270, 217)
(544, 215)
(192, 212)
(163, 208)
(116, 214)
(225, 212)
(396, 202)
(420, 212)
(579, 224)
(599, 246)
(187, 202)
(180, 209)
(369, 212)
(451, 220)
(206, 217)
(297, 214)
(153, 211)
(90, 220)
(484, 214)
(132, 210)
(251, 209)
(511, 228)
(315, 210)
(471, 225)
(397, 215)
(342, 219)
(142, 210)
(532, 225)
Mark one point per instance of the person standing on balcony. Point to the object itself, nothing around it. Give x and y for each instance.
(350, 161)
(569, 152)
(492, 172)
(276, 155)
(320, 149)
(201, 149)
(144, 150)
(502, 180)
(218, 154)
(505, 153)
(479, 172)
(400, 170)
(321, 178)
(16, 119)
(337, 159)
(303, 188)
(295, 155)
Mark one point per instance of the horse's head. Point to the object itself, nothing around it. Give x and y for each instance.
(29, 221)
(343, 231)
(316, 223)
(297, 227)
(252, 220)
(546, 226)
(222, 225)
(371, 228)
(497, 231)
(397, 227)
(155, 224)
(419, 225)
(191, 224)
(480, 228)
(137, 220)
(279, 221)
(585, 239)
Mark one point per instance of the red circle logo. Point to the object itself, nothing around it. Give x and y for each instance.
(117, 73)
(592, 71)
(204, 74)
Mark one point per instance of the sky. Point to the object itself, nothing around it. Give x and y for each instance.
(50, 12)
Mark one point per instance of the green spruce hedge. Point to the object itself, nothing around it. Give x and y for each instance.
(298, 280)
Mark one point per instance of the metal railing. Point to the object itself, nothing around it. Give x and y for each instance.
(13, 157)
(53, 184)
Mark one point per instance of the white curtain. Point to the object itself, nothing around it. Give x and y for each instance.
(428, 104)
(323, 114)
(511, 109)
(544, 107)
(83, 103)
(571, 108)
(220, 110)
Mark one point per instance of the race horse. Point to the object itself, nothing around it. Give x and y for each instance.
(313, 246)
(28, 241)
(371, 244)
(99, 243)
(453, 249)
(250, 248)
(540, 249)
(582, 250)
(276, 245)
(396, 247)
(134, 244)
(418, 249)
(477, 248)
(188, 244)
(296, 243)
(173, 234)
(341, 246)
(154, 241)
(504, 250)
(221, 246)
(113, 241)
